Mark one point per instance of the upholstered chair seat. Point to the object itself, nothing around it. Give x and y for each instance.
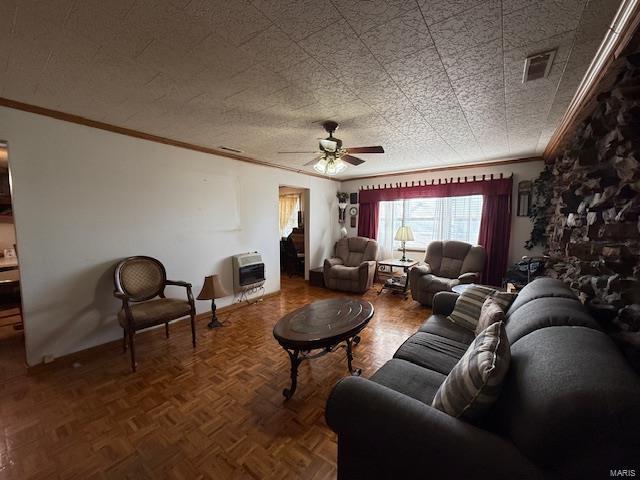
(446, 265)
(354, 265)
(153, 311)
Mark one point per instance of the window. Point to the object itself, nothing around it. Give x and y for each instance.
(450, 218)
(289, 206)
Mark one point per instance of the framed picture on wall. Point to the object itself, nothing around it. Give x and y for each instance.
(353, 198)
(524, 199)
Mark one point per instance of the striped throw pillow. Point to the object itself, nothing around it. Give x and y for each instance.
(491, 313)
(466, 312)
(474, 384)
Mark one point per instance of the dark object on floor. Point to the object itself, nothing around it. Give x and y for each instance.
(316, 277)
(568, 407)
(212, 288)
(321, 325)
(138, 281)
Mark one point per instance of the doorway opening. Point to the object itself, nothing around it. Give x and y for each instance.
(12, 347)
(293, 206)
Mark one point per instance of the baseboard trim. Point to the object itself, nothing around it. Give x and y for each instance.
(71, 358)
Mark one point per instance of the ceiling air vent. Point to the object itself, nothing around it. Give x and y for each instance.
(229, 149)
(538, 66)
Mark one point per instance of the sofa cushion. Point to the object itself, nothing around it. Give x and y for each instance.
(442, 326)
(474, 384)
(547, 312)
(467, 310)
(431, 351)
(409, 379)
(490, 313)
(342, 272)
(542, 287)
(570, 399)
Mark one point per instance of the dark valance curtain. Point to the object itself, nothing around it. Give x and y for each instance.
(495, 226)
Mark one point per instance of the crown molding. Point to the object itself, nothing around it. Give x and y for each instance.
(614, 46)
(463, 166)
(87, 122)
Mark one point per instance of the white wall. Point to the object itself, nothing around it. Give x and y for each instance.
(520, 226)
(85, 198)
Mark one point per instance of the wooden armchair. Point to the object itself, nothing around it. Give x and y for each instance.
(138, 281)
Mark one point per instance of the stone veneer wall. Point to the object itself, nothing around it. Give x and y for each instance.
(594, 227)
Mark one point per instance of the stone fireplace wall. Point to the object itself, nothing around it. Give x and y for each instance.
(594, 228)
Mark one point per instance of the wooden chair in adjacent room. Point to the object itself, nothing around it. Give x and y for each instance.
(140, 282)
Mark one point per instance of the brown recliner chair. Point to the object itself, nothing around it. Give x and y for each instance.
(448, 264)
(353, 267)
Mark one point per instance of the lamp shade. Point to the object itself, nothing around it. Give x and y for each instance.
(212, 288)
(404, 234)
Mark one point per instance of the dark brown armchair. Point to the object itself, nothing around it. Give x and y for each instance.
(138, 281)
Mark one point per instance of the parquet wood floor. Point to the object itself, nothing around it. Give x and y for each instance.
(213, 413)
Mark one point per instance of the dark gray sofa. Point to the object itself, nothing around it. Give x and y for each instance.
(570, 406)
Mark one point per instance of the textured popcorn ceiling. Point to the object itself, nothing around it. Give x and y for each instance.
(436, 82)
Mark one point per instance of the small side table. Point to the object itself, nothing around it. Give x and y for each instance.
(395, 285)
(316, 277)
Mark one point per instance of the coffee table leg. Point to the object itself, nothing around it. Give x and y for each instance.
(350, 342)
(295, 362)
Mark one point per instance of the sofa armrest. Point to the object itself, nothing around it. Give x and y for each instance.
(416, 272)
(444, 303)
(421, 269)
(368, 265)
(400, 437)
(366, 274)
(469, 277)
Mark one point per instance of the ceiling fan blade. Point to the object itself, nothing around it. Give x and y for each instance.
(313, 161)
(329, 145)
(315, 151)
(351, 159)
(376, 149)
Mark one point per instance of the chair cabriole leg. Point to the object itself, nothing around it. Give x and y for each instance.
(193, 330)
(131, 334)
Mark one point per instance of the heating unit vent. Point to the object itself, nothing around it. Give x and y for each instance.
(538, 66)
(248, 271)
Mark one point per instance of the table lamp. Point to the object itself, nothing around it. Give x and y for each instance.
(212, 289)
(404, 234)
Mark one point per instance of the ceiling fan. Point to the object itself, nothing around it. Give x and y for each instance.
(333, 158)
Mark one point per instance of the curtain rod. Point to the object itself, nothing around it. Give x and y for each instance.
(440, 181)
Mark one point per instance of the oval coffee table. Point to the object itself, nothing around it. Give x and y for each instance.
(321, 325)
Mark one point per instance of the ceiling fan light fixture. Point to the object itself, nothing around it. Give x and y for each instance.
(329, 165)
(321, 166)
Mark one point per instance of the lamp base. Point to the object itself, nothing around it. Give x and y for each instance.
(214, 323)
(404, 254)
